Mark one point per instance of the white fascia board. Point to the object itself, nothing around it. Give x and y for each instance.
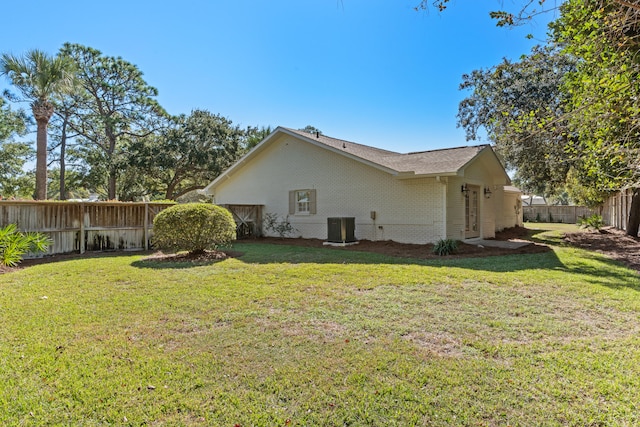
(249, 155)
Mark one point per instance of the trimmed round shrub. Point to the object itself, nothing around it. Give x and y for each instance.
(193, 227)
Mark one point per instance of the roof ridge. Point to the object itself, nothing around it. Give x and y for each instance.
(321, 135)
(449, 148)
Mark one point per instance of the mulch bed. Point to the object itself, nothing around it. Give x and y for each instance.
(415, 251)
(609, 241)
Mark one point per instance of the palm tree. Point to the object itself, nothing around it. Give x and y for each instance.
(39, 77)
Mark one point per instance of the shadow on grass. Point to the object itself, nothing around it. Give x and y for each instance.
(161, 260)
(151, 259)
(596, 268)
(265, 253)
(50, 259)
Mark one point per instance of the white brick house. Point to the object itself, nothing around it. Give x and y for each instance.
(422, 197)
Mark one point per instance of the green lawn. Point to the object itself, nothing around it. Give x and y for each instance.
(289, 336)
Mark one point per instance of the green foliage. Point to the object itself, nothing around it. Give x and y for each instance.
(40, 78)
(311, 129)
(189, 153)
(14, 180)
(594, 221)
(114, 107)
(514, 102)
(281, 226)
(12, 123)
(255, 135)
(584, 191)
(603, 94)
(568, 112)
(445, 247)
(193, 227)
(14, 244)
(194, 196)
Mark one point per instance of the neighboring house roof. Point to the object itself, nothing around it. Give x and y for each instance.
(533, 200)
(442, 162)
(511, 189)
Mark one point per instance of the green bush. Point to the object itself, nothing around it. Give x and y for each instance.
(594, 221)
(445, 247)
(193, 227)
(14, 244)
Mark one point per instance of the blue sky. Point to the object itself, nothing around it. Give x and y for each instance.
(373, 72)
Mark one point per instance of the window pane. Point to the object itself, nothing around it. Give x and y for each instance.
(302, 201)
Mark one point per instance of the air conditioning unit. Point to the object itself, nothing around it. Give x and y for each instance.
(341, 229)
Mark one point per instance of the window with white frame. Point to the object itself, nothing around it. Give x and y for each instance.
(302, 202)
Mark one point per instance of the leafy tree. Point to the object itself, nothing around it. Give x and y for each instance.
(62, 135)
(74, 185)
(190, 153)
(12, 123)
(520, 105)
(584, 192)
(599, 120)
(603, 94)
(255, 135)
(115, 108)
(525, 11)
(627, 13)
(39, 77)
(14, 182)
(311, 129)
(193, 227)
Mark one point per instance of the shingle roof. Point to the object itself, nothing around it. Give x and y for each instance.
(448, 160)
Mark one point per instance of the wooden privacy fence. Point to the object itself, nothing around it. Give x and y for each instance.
(85, 226)
(565, 214)
(616, 209)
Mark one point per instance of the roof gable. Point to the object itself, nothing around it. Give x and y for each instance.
(442, 162)
(433, 162)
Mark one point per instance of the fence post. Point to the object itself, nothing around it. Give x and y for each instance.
(146, 226)
(81, 209)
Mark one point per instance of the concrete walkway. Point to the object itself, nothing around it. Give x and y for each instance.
(506, 244)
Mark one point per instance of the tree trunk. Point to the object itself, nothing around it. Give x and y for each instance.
(42, 112)
(113, 173)
(112, 186)
(634, 214)
(63, 189)
(41, 161)
(63, 166)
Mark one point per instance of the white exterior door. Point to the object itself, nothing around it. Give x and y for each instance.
(472, 212)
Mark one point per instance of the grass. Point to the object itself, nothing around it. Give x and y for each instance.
(289, 336)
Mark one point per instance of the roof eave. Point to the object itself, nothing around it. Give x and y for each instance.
(412, 174)
(249, 155)
(319, 144)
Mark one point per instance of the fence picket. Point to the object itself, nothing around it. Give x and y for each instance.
(80, 227)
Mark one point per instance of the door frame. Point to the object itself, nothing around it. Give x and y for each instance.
(472, 211)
